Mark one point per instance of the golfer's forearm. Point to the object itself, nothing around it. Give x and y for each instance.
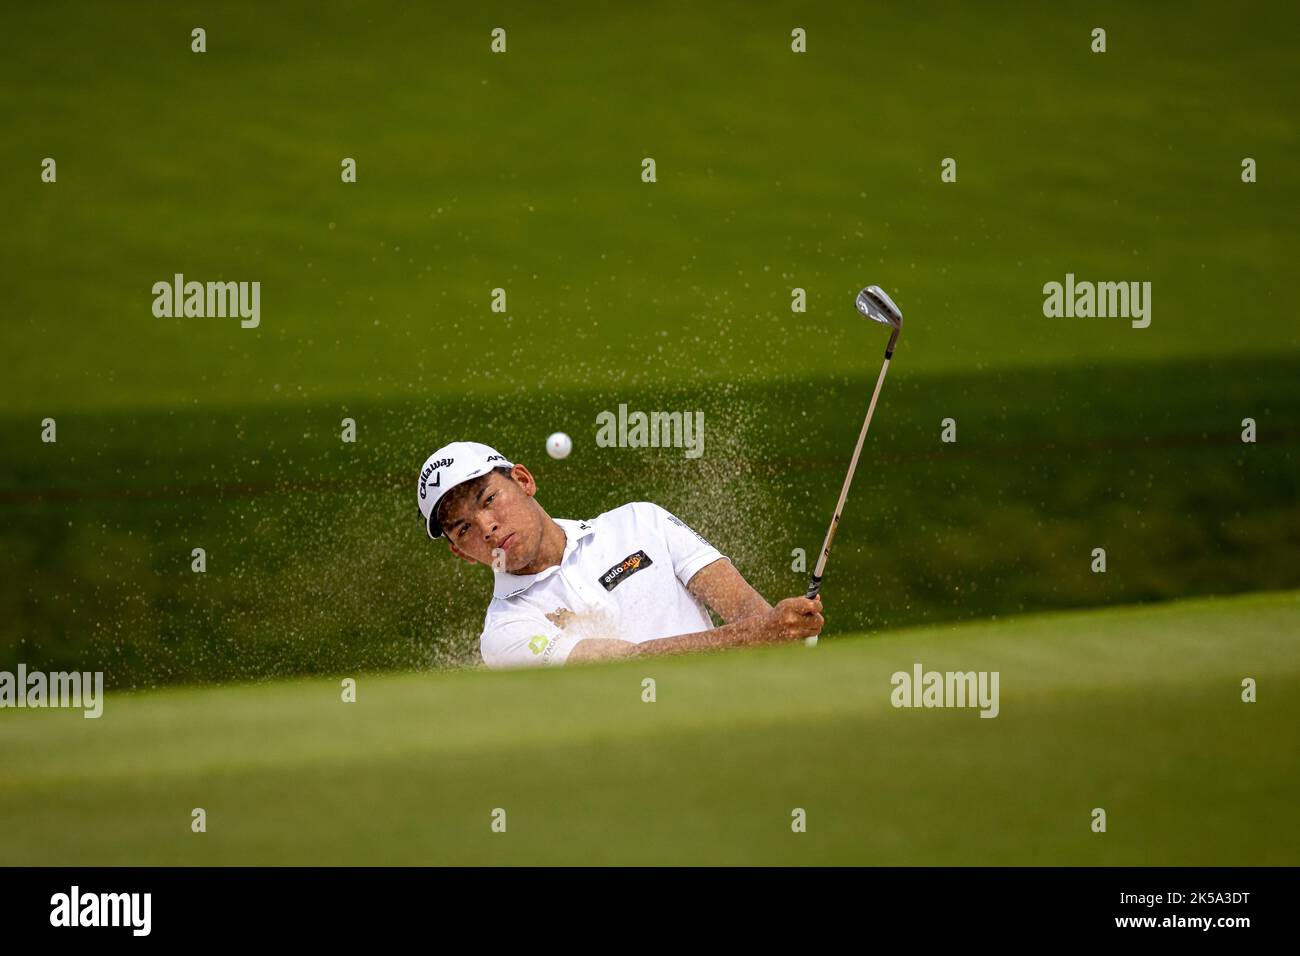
(750, 605)
(611, 648)
(725, 590)
(729, 635)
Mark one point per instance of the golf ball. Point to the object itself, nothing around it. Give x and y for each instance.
(559, 445)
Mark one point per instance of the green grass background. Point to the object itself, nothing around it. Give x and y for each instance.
(1137, 711)
(521, 171)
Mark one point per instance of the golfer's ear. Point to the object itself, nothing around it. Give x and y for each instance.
(525, 479)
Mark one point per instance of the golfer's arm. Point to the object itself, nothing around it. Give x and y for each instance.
(725, 590)
(737, 634)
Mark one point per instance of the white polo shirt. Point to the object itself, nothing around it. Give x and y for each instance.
(623, 575)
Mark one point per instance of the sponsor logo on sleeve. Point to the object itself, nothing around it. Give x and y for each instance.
(682, 524)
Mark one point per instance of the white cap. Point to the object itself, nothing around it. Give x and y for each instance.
(449, 466)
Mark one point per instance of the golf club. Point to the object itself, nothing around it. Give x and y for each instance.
(878, 307)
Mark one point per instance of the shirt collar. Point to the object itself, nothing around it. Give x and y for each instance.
(506, 585)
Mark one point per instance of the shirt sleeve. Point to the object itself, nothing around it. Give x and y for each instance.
(687, 547)
(525, 641)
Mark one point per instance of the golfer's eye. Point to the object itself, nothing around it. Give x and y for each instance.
(489, 499)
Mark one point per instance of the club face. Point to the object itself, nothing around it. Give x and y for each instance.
(876, 305)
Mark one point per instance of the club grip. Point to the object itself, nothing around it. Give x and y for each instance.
(814, 586)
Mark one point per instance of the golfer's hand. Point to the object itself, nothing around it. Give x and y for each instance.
(792, 619)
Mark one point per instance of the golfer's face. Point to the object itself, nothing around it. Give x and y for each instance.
(496, 516)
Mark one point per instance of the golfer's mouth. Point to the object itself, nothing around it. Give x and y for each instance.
(507, 541)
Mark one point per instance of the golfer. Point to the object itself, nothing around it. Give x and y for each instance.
(633, 581)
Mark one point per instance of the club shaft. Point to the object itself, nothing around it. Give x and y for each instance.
(815, 584)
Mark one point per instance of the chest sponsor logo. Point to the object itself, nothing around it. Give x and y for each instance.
(624, 570)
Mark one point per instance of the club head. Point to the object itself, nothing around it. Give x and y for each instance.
(879, 307)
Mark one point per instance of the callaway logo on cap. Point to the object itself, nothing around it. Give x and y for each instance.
(449, 466)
